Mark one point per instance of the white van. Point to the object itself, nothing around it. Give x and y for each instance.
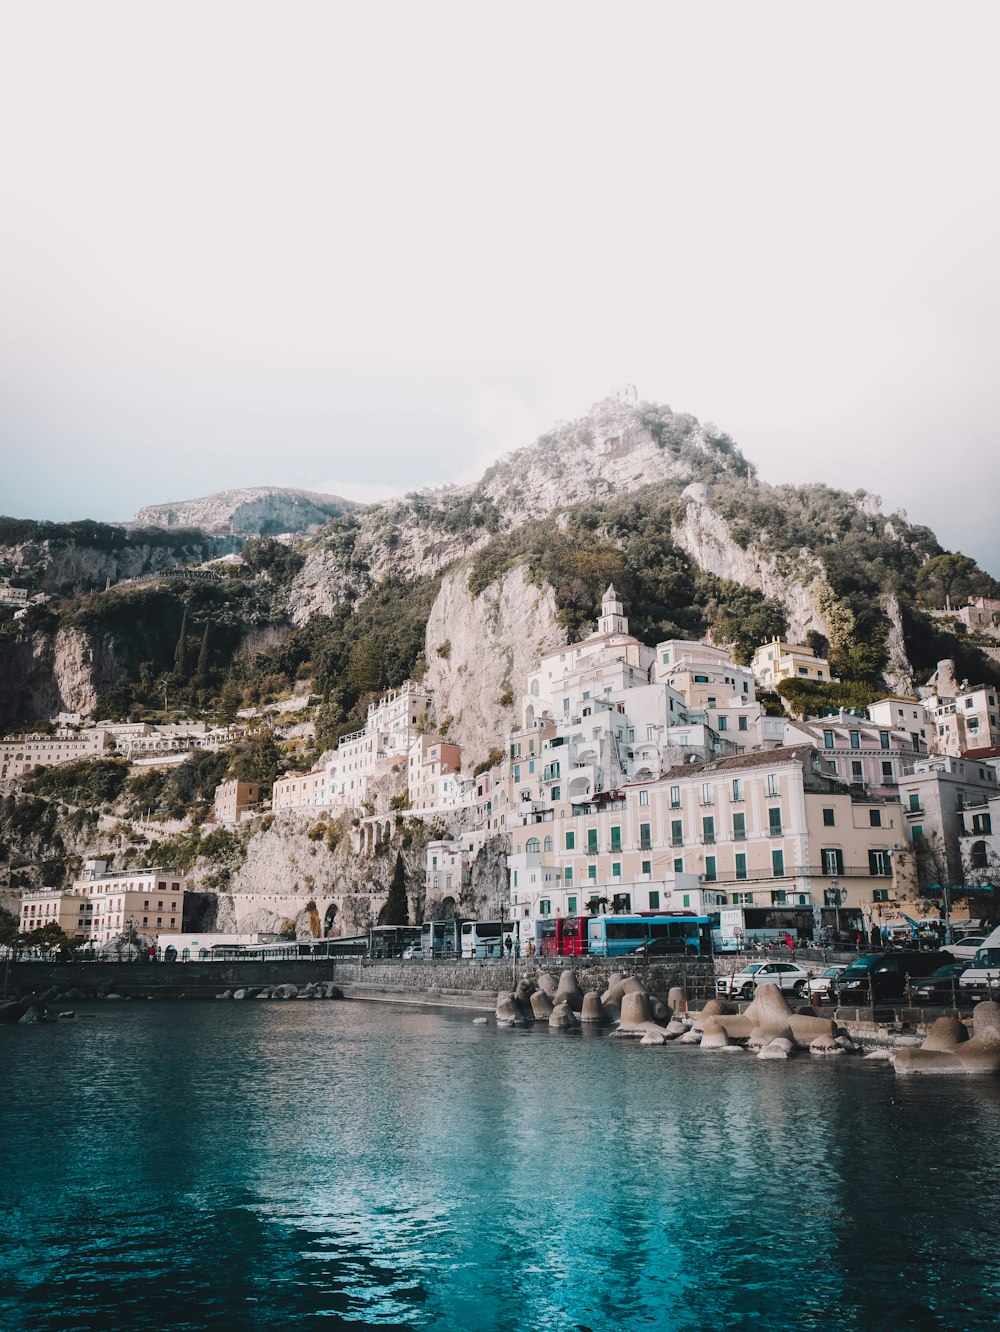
(981, 979)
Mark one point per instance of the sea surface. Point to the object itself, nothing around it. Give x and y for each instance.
(289, 1165)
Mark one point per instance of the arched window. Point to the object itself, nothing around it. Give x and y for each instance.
(532, 844)
(202, 954)
(978, 855)
(548, 844)
(185, 954)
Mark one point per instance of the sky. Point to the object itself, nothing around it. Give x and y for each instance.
(359, 248)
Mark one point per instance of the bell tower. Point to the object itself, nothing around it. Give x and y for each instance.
(613, 620)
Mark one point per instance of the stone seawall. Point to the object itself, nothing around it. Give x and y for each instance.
(413, 982)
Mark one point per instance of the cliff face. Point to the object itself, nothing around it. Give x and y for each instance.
(71, 566)
(41, 675)
(705, 536)
(479, 651)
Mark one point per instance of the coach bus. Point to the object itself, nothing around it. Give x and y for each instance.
(563, 936)
(441, 938)
(648, 935)
(744, 927)
(486, 938)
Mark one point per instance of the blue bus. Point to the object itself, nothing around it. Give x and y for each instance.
(649, 936)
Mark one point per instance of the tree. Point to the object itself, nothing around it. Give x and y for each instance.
(397, 909)
(201, 669)
(946, 573)
(180, 653)
(265, 761)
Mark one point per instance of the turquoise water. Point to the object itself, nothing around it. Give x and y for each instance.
(302, 1165)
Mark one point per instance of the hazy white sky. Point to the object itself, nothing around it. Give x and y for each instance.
(364, 247)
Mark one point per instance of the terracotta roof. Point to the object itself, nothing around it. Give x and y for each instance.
(760, 758)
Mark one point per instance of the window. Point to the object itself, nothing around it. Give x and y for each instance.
(547, 846)
(741, 864)
(739, 827)
(645, 840)
(833, 862)
(856, 772)
(778, 864)
(879, 863)
(887, 774)
(774, 822)
(616, 869)
(706, 793)
(880, 895)
(571, 906)
(710, 868)
(883, 739)
(686, 900)
(737, 789)
(679, 865)
(647, 867)
(742, 722)
(918, 835)
(829, 818)
(981, 823)
(875, 818)
(571, 841)
(616, 837)
(827, 739)
(676, 832)
(723, 725)
(544, 907)
(708, 828)
(557, 793)
(855, 739)
(591, 841)
(592, 873)
(772, 784)
(654, 900)
(643, 797)
(531, 765)
(517, 772)
(532, 845)
(568, 875)
(675, 797)
(742, 899)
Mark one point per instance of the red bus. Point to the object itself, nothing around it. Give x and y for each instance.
(564, 936)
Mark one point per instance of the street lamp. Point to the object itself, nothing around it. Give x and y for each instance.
(835, 897)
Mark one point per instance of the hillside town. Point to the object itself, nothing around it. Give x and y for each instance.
(640, 779)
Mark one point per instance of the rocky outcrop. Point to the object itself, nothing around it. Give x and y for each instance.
(479, 652)
(705, 536)
(253, 510)
(42, 674)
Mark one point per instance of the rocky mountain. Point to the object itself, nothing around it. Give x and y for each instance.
(252, 511)
(466, 584)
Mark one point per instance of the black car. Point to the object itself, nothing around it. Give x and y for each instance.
(941, 987)
(881, 976)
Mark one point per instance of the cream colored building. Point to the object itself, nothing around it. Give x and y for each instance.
(301, 790)
(71, 911)
(776, 661)
(19, 754)
(905, 714)
(147, 901)
(772, 828)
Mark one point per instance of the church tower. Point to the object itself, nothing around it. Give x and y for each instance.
(612, 619)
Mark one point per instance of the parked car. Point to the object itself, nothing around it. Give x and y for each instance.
(981, 978)
(881, 976)
(786, 975)
(413, 952)
(823, 983)
(941, 986)
(967, 948)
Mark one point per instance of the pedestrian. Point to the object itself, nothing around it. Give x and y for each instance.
(508, 944)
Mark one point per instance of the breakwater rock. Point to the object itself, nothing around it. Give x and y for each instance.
(947, 1049)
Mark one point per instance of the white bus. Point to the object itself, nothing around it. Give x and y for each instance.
(487, 938)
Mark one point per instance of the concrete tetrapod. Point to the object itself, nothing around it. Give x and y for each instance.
(569, 991)
(547, 983)
(979, 1055)
(779, 1048)
(541, 1006)
(524, 991)
(563, 1019)
(677, 999)
(591, 1011)
(715, 1037)
(508, 1014)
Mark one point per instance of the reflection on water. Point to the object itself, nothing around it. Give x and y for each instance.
(269, 1166)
